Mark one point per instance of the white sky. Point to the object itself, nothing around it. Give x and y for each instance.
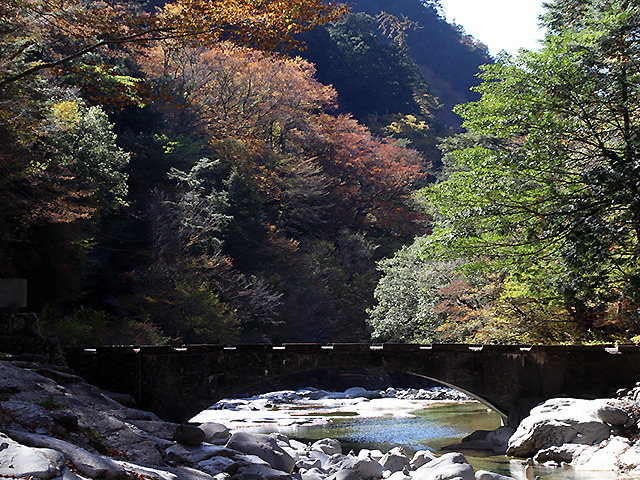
(499, 24)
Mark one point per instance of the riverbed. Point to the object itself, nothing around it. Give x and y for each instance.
(412, 419)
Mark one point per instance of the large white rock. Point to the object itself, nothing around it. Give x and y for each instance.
(215, 465)
(307, 463)
(420, 458)
(395, 460)
(313, 474)
(485, 475)
(265, 447)
(344, 475)
(613, 412)
(402, 475)
(17, 460)
(448, 466)
(462, 471)
(338, 462)
(93, 466)
(604, 457)
(147, 472)
(630, 458)
(214, 431)
(556, 422)
(330, 446)
(369, 468)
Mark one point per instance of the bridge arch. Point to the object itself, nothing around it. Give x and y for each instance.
(341, 378)
(177, 383)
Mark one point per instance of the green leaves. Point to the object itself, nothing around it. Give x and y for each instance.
(548, 189)
(81, 140)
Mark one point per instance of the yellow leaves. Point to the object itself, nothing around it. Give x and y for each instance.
(66, 114)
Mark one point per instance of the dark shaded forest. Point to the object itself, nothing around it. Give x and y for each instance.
(165, 181)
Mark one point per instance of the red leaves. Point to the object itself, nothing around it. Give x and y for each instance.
(372, 177)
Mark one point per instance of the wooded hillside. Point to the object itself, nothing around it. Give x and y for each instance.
(183, 175)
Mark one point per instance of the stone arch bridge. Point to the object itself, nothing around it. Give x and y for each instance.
(177, 383)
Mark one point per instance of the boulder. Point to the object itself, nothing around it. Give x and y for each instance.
(265, 447)
(630, 459)
(323, 457)
(613, 413)
(344, 475)
(146, 471)
(307, 463)
(17, 460)
(485, 475)
(558, 453)
(193, 454)
(284, 443)
(372, 454)
(420, 458)
(186, 473)
(369, 468)
(338, 462)
(330, 446)
(214, 431)
(359, 392)
(556, 422)
(499, 438)
(157, 429)
(395, 460)
(215, 465)
(447, 466)
(188, 435)
(85, 462)
(402, 475)
(313, 474)
(252, 472)
(603, 457)
(463, 471)
(496, 440)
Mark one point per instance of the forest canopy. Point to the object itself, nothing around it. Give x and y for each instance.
(179, 174)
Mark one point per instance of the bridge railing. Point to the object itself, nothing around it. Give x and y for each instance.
(311, 348)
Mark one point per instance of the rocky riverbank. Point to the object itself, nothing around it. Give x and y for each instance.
(600, 434)
(55, 425)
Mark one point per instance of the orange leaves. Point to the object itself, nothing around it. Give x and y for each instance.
(71, 29)
(266, 25)
(236, 92)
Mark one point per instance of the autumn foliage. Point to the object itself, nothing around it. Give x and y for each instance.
(175, 177)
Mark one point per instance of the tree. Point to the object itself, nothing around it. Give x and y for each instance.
(370, 179)
(371, 77)
(38, 36)
(550, 192)
(240, 93)
(82, 141)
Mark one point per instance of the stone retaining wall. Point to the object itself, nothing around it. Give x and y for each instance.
(20, 339)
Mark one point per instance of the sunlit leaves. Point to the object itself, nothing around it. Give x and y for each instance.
(63, 32)
(81, 140)
(240, 93)
(550, 190)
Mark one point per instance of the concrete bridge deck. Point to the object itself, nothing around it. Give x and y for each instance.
(177, 383)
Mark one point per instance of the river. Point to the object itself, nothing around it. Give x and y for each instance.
(380, 423)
